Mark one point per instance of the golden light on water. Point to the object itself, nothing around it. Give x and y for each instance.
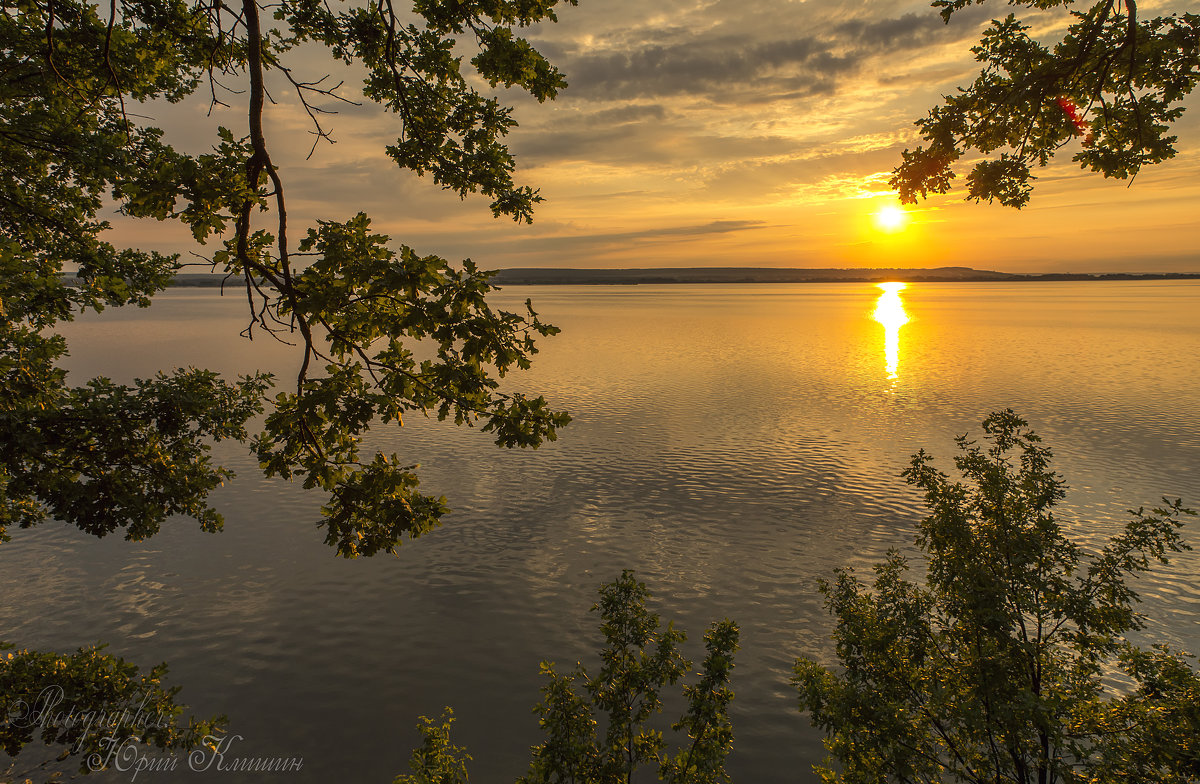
(889, 311)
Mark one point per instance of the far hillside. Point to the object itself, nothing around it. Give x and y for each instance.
(519, 276)
(561, 276)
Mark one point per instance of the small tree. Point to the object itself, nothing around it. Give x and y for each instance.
(999, 667)
(94, 705)
(1115, 79)
(638, 659)
(437, 761)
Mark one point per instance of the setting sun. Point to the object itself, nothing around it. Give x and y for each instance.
(891, 218)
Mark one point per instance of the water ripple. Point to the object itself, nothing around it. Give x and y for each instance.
(732, 445)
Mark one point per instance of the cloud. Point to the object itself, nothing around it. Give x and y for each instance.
(641, 135)
(624, 239)
(563, 245)
(719, 70)
(712, 132)
(730, 66)
(903, 32)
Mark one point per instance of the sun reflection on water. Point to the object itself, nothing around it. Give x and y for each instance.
(889, 311)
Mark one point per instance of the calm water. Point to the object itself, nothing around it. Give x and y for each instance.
(731, 444)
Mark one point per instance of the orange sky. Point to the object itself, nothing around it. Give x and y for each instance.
(721, 133)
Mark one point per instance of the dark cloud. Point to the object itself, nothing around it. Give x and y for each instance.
(508, 248)
(630, 113)
(905, 31)
(711, 68)
(747, 66)
(612, 239)
(638, 134)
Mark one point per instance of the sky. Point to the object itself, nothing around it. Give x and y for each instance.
(737, 133)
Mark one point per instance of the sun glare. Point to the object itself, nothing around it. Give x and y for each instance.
(891, 218)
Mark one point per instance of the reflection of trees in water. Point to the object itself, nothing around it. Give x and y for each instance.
(889, 311)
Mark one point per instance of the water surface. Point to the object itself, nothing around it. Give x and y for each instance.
(731, 443)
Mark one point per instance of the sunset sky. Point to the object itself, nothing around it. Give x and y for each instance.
(747, 133)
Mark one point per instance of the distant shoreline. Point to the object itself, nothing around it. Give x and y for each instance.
(532, 276)
(565, 276)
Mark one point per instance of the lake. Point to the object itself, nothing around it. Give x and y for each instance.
(732, 444)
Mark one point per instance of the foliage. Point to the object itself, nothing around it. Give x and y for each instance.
(438, 761)
(1005, 664)
(1114, 78)
(90, 703)
(639, 658)
(104, 456)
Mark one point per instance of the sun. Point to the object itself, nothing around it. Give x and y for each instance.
(891, 218)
